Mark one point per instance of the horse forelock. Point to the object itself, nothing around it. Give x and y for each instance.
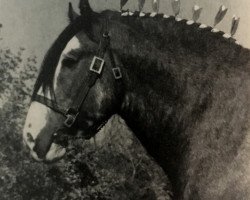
(47, 72)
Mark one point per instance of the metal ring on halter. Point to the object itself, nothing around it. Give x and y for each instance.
(105, 35)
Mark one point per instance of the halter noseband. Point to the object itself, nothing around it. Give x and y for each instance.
(95, 71)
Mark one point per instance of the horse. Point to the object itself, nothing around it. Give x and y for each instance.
(182, 88)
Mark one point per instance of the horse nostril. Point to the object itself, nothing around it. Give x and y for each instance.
(39, 153)
(30, 139)
(35, 149)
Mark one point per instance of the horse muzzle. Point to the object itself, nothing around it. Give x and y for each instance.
(55, 153)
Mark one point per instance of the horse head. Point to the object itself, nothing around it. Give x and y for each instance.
(78, 88)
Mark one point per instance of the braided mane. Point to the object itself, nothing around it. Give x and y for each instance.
(152, 38)
(158, 35)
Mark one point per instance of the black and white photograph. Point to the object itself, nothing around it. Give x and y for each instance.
(124, 100)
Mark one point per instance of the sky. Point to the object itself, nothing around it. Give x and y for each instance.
(35, 24)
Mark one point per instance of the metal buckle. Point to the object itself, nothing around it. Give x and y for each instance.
(117, 73)
(97, 65)
(70, 120)
(71, 116)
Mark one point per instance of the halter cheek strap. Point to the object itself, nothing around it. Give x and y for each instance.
(96, 69)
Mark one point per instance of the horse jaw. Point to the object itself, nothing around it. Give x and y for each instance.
(36, 120)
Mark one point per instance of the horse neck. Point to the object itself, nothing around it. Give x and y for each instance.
(178, 90)
(150, 99)
(168, 66)
(167, 107)
(151, 111)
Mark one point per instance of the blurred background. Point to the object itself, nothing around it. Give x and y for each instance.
(112, 166)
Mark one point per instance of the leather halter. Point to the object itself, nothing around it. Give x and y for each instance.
(71, 114)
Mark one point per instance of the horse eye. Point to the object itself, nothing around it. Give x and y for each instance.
(68, 62)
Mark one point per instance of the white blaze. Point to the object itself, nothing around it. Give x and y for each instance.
(38, 113)
(74, 43)
(35, 121)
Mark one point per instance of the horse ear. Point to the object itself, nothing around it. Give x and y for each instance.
(85, 8)
(71, 13)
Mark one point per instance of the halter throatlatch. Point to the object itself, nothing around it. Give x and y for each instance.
(71, 114)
